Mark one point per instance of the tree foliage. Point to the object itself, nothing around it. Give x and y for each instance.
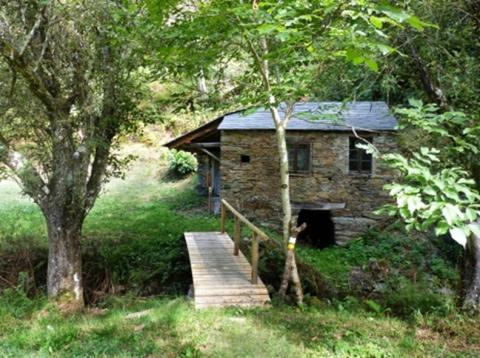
(69, 87)
(437, 189)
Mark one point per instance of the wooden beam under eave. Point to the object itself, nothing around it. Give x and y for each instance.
(318, 206)
(210, 154)
(204, 145)
(199, 132)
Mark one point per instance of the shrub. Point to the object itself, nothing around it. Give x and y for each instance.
(408, 298)
(181, 163)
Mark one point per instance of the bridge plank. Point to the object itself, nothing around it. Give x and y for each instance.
(221, 279)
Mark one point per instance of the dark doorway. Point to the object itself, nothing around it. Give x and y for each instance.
(320, 231)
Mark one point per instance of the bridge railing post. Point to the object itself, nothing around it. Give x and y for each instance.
(223, 217)
(255, 259)
(236, 236)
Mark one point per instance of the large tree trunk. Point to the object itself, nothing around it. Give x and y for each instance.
(471, 274)
(65, 266)
(65, 263)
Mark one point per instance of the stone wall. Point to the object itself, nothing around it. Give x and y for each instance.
(254, 186)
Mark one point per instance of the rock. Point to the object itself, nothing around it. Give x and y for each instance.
(370, 280)
(138, 314)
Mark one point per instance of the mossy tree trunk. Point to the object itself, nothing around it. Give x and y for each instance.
(64, 276)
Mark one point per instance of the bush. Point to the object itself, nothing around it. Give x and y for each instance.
(181, 163)
(407, 298)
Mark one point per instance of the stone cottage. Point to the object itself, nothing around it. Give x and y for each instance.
(334, 186)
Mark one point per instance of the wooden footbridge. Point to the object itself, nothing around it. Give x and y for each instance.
(222, 276)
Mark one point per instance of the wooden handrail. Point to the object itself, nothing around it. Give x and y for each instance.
(243, 219)
(257, 235)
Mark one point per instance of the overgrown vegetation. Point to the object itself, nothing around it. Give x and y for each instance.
(133, 247)
(399, 273)
(181, 163)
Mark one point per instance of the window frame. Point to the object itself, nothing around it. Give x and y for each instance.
(360, 157)
(293, 166)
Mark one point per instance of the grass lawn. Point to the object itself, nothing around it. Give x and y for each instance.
(136, 229)
(170, 327)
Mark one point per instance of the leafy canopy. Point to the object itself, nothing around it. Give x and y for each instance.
(263, 49)
(436, 189)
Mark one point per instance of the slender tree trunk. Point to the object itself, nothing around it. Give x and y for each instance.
(280, 132)
(287, 273)
(202, 85)
(291, 270)
(434, 92)
(291, 273)
(284, 182)
(471, 274)
(297, 284)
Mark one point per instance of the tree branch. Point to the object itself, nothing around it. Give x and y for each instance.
(30, 180)
(19, 64)
(434, 92)
(30, 36)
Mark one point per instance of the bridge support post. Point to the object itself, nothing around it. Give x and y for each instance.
(255, 259)
(223, 217)
(236, 236)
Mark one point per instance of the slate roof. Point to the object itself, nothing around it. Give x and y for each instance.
(319, 116)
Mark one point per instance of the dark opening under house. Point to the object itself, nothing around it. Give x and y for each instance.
(320, 230)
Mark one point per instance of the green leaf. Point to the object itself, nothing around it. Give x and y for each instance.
(372, 64)
(265, 29)
(385, 49)
(249, 111)
(441, 228)
(471, 214)
(355, 56)
(429, 191)
(395, 13)
(458, 234)
(376, 21)
(450, 213)
(417, 103)
(416, 23)
(475, 228)
(414, 203)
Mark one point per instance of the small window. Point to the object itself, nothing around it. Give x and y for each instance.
(299, 158)
(245, 158)
(359, 160)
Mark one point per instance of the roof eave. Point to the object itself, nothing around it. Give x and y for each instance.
(362, 130)
(187, 138)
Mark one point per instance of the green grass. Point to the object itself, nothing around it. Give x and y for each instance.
(170, 327)
(133, 247)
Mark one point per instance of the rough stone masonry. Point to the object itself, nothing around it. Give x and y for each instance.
(254, 186)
